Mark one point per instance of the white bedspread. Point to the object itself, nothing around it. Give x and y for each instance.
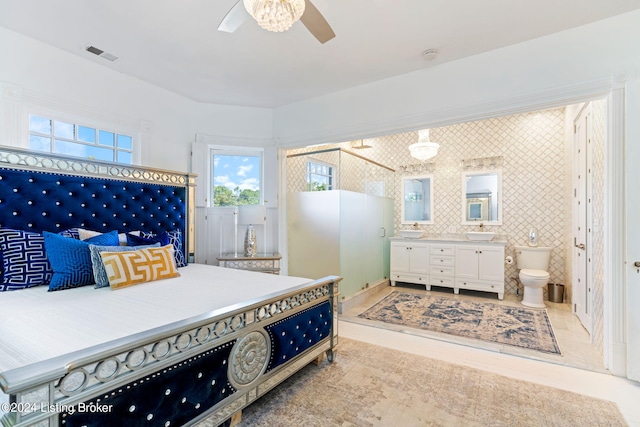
(36, 325)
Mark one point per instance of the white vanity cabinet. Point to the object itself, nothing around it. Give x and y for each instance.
(451, 262)
(409, 262)
(480, 268)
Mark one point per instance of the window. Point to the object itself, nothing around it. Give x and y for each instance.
(58, 137)
(319, 176)
(237, 177)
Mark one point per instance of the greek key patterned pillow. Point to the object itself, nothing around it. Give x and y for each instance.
(24, 260)
(99, 273)
(134, 267)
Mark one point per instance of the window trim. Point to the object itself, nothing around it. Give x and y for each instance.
(87, 119)
(332, 176)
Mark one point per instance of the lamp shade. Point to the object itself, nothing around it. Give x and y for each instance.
(251, 214)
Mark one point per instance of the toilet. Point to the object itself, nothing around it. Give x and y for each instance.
(533, 263)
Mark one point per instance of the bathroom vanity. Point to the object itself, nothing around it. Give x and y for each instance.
(450, 260)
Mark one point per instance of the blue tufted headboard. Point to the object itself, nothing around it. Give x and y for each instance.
(52, 193)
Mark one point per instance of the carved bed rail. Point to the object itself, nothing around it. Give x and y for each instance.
(209, 366)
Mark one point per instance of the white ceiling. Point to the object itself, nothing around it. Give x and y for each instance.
(174, 44)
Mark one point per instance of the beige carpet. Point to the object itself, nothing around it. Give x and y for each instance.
(369, 385)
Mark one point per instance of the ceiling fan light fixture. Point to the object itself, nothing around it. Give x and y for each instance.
(275, 15)
(424, 149)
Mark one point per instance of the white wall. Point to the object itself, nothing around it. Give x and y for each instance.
(574, 62)
(33, 73)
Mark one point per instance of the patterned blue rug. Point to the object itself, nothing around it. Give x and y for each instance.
(516, 326)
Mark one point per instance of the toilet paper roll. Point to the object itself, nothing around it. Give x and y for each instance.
(509, 260)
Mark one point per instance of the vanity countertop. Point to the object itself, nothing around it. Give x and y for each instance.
(499, 239)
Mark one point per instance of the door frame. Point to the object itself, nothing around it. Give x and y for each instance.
(613, 89)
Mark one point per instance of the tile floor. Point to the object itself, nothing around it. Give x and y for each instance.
(579, 369)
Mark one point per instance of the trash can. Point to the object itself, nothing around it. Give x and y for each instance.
(556, 292)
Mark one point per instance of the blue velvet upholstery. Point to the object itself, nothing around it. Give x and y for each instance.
(174, 395)
(40, 201)
(297, 333)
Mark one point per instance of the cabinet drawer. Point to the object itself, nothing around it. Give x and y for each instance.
(480, 286)
(442, 270)
(442, 260)
(410, 278)
(442, 250)
(442, 281)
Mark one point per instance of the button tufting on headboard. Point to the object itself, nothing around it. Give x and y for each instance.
(44, 201)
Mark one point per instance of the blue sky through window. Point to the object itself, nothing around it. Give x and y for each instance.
(241, 171)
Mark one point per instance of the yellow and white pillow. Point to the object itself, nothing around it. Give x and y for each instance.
(140, 266)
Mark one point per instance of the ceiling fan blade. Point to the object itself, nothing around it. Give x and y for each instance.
(316, 24)
(234, 18)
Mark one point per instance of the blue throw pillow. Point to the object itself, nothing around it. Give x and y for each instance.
(24, 260)
(71, 259)
(71, 232)
(167, 238)
(99, 272)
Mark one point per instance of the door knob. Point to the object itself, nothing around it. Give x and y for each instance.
(636, 264)
(581, 246)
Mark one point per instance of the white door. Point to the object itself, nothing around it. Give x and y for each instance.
(581, 289)
(632, 160)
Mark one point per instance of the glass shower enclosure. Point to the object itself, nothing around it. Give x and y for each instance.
(343, 231)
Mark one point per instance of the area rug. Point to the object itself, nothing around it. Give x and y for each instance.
(515, 326)
(373, 386)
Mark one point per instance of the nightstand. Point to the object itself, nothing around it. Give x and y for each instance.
(263, 262)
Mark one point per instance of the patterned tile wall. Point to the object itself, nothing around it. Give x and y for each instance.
(533, 148)
(352, 173)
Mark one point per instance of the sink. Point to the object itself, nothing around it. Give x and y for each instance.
(411, 234)
(483, 236)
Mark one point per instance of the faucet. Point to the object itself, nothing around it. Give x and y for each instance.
(415, 226)
(481, 226)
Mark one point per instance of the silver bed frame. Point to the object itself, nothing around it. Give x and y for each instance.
(40, 392)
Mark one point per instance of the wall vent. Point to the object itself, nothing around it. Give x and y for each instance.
(101, 53)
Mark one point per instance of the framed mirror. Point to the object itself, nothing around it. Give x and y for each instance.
(482, 197)
(417, 199)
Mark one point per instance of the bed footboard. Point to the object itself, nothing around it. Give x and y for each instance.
(212, 366)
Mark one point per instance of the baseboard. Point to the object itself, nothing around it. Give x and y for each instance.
(360, 296)
(618, 359)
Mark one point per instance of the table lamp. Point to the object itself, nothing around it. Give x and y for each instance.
(251, 215)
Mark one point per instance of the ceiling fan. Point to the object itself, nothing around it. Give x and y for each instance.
(278, 15)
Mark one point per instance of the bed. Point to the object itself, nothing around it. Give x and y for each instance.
(203, 342)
